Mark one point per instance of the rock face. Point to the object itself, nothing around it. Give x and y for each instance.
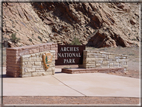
(94, 24)
(20, 18)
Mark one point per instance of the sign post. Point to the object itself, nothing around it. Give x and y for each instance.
(70, 54)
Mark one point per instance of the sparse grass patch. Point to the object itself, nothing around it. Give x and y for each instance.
(14, 39)
(75, 41)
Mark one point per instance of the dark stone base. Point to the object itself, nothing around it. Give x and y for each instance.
(92, 70)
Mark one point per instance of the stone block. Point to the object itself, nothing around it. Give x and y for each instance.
(89, 66)
(41, 49)
(49, 73)
(89, 60)
(112, 60)
(13, 64)
(37, 63)
(116, 64)
(90, 55)
(53, 45)
(40, 70)
(123, 63)
(98, 56)
(11, 54)
(23, 52)
(117, 56)
(112, 56)
(47, 47)
(31, 69)
(33, 50)
(25, 59)
(33, 55)
(52, 51)
(15, 69)
(99, 62)
(123, 60)
(41, 73)
(49, 69)
(34, 59)
(98, 59)
(110, 65)
(26, 75)
(29, 66)
(30, 63)
(103, 66)
(105, 63)
(105, 59)
(24, 70)
(124, 66)
(33, 74)
(124, 56)
(26, 56)
(103, 55)
(117, 60)
(98, 65)
(103, 52)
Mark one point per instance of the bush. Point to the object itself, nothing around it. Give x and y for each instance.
(40, 38)
(75, 41)
(30, 39)
(14, 39)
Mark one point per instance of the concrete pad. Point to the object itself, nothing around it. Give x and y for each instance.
(36, 86)
(100, 84)
(62, 84)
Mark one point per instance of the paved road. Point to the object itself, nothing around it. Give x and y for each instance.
(62, 84)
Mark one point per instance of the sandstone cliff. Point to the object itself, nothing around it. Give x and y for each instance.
(95, 24)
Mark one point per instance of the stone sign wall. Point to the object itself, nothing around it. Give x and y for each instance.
(13, 56)
(33, 65)
(94, 59)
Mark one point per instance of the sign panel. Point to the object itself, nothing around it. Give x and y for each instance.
(70, 54)
(47, 59)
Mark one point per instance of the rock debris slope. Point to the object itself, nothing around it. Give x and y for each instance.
(94, 24)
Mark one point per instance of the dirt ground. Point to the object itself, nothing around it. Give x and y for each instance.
(133, 72)
(69, 100)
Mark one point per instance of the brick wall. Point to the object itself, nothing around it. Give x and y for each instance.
(13, 60)
(32, 65)
(94, 59)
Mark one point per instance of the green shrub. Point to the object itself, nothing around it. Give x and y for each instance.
(75, 41)
(30, 39)
(39, 38)
(14, 39)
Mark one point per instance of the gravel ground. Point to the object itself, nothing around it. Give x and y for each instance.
(133, 72)
(69, 100)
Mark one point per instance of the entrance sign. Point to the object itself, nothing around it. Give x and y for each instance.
(70, 54)
(47, 59)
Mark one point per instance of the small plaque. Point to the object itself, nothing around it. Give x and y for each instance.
(47, 59)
